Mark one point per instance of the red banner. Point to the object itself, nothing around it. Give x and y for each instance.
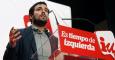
(84, 43)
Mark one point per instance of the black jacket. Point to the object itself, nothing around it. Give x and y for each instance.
(26, 47)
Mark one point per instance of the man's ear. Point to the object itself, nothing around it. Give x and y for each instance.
(30, 17)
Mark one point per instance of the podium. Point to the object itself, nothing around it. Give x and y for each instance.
(59, 55)
(75, 44)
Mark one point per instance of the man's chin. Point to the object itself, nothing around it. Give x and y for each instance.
(40, 23)
(44, 19)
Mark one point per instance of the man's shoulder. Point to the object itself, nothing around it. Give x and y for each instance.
(25, 30)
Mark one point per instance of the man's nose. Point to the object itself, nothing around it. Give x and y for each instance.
(43, 10)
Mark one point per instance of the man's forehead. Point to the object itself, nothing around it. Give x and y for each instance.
(41, 5)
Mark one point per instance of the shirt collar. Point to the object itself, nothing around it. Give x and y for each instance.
(35, 29)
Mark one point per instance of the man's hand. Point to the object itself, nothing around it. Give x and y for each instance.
(14, 35)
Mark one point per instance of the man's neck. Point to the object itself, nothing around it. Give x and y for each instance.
(41, 29)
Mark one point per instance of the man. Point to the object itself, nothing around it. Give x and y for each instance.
(34, 42)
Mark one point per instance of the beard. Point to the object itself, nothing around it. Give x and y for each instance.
(38, 22)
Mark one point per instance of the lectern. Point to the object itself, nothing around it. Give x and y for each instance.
(59, 55)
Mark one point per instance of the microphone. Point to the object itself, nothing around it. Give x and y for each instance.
(50, 11)
(62, 19)
(79, 19)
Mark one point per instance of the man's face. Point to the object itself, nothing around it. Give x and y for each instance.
(41, 12)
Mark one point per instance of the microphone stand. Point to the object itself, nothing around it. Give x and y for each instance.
(36, 54)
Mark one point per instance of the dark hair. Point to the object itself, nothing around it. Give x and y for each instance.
(31, 10)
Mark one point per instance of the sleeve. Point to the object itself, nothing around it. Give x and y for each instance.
(13, 53)
(55, 43)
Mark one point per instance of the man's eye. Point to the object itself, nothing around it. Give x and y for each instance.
(46, 10)
(38, 9)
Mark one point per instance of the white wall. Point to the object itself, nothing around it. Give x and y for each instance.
(12, 12)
